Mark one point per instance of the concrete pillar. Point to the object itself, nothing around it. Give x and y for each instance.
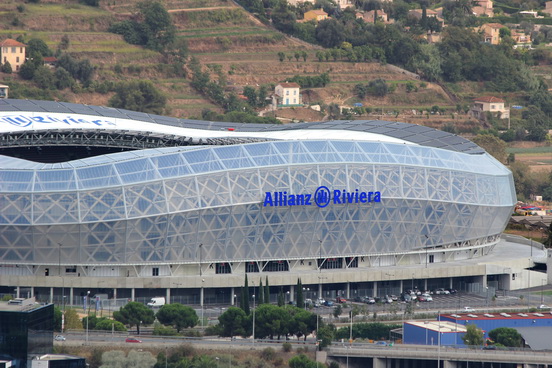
(201, 296)
(132, 294)
(168, 295)
(401, 286)
(425, 284)
(319, 290)
(449, 364)
(114, 293)
(379, 363)
(375, 292)
(51, 294)
(71, 301)
(292, 292)
(17, 291)
(450, 282)
(232, 296)
(348, 296)
(32, 292)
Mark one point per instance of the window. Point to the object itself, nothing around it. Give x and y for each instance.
(352, 262)
(251, 267)
(155, 271)
(275, 266)
(223, 268)
(13, 50)
(492, 107)
(287, 93)
(71, 269)
(17, 59)
(431, 258)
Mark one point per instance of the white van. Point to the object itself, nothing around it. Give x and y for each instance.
(156, 302)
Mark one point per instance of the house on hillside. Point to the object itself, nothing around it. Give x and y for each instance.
(494, 105)
(344, 3)
(287, 95)
(13, 52)
(374, 15)
(316, 15)
(491, 32)
(418, 13)
(547, 8)
(484, 8)
(50, 61)
(4, 91)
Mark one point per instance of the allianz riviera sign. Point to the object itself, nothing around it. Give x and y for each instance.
(322, 197)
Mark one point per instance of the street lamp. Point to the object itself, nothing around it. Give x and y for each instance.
(201, 296)
(253, 319)
(87, 313)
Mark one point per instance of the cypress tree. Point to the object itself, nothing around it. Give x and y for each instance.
(281, 298)
(300, 300)
(267, 292)
(245, 297)
(261, 292)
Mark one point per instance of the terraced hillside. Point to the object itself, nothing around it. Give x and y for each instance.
(218, 32)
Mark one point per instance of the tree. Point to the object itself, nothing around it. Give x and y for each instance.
(233, 322)
(473, 336)
(261, 292)
(330, 33)
(177, 315)
(281, 56)
(494, 146)
(134, 314)
(267, 292)
(72, 320)
(281, 299)
(251, 95)
(107, 324)
(38, 46)
(245, 297)
(7, 68)
(506, 336)
(299, 293)
(44, 78)
(301, 361)
(138, 95)
(57, 319)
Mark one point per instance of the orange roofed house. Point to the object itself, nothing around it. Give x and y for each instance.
(286, 94)
(13, 52)
(491, 32)
(494, 105)
(316, 14)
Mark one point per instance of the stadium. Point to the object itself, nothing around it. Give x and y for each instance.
(103, 200)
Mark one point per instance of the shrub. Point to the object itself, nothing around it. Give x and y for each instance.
(268, 354)
(287, 347)
(7, 68)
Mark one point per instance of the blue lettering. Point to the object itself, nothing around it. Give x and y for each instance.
(308, 200)
(350, 197)
(337, 197)
(377, 197)
(268, 199)
(362, 197)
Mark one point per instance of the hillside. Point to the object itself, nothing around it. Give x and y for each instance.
(220, 34)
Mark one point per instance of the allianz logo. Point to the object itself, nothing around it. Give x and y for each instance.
(322, 197)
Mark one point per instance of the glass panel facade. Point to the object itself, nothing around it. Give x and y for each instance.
(158, 206)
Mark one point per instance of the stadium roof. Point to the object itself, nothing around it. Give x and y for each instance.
(31, 115)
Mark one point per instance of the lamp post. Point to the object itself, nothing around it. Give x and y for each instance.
(201, 296)
(542, 291)
(61, 275)
(439, 342)
(87, 313)
(253, 319)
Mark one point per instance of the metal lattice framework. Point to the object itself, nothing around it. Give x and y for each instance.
(159, 205)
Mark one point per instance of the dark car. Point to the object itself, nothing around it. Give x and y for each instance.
(132, 339)
(328, 303)
(452, 291)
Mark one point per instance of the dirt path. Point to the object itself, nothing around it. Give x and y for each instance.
(200, 9)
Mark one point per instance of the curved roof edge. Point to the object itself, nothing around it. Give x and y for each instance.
(395, 131)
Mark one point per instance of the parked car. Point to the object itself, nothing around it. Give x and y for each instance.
(132, 339)
(381, 343)
(428, 298)
(340, 299)
(59, 338)
(370, 300)
(469, 310)
(543, 307)
(394, 298)
(452, 291)
(407, 298)
(440, 291)
(328, 303)
(421, 298)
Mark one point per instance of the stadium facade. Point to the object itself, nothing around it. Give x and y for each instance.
(126, 203)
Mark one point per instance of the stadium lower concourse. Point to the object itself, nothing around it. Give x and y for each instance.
(97, 200)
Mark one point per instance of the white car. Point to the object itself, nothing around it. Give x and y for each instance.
(468, 310)
(428, 298)
(59, 338)
(442, 291)
(543, 306)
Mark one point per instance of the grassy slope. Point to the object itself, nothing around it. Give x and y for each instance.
(227, 35)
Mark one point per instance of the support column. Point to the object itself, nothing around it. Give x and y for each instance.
(375, 291)
(201, 296)
(71, 301)
(292, 292)
(114, 293)
(51, 294)
(132, 294)
(168, 295)
(17, 291)
(425, 285)
(379, 363)
(450, 283)
(319, 290)
(232, 296)
(348, 292)
(32, 292)
(401, 286)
